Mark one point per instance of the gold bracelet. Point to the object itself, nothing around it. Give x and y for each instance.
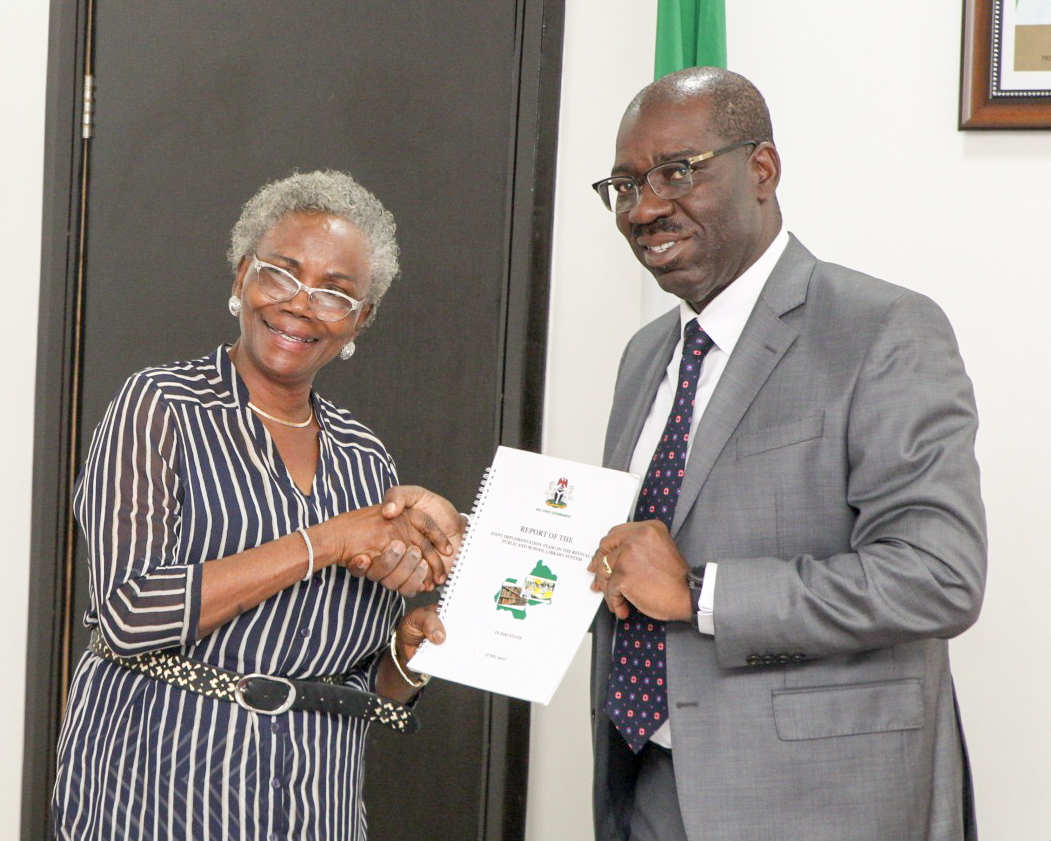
(415, 684)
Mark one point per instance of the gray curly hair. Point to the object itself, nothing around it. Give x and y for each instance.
(323, 191)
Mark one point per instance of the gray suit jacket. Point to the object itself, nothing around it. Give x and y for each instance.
(833, 479)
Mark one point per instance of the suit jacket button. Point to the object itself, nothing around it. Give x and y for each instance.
(753, 659)
(783, 658)
(798, 658)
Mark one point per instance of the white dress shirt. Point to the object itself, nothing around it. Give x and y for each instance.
(723, 320)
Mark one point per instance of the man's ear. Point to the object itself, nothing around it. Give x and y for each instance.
(766, 165)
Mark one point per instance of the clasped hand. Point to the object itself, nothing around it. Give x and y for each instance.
(648, 571)
(407, 544)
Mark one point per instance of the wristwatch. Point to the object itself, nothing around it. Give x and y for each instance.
(695, 581)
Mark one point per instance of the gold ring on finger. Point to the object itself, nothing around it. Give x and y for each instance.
(605, 563)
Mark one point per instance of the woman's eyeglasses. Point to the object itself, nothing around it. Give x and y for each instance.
(280, 285)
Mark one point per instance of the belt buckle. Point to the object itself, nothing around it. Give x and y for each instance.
(285, 706)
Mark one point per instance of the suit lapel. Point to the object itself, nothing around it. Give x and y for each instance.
(642, 386)
(763, 342)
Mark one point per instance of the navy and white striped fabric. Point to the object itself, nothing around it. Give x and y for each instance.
(180, 471)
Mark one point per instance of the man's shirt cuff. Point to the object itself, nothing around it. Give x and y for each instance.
(706, 601)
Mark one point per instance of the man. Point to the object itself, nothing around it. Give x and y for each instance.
(810, 529)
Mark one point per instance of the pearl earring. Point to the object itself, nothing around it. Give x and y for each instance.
(234, 305)
(347, 351)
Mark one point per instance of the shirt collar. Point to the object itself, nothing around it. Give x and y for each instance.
(725, 317)
(229, 376)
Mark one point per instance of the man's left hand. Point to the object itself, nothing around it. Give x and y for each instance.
(648, 571)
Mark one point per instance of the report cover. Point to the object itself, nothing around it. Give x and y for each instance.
(519, 599)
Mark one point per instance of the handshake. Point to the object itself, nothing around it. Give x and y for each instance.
(406, 544)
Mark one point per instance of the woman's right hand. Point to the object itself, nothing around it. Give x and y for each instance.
(398, 563)
(399, 567)
(398, 552)
(402, 553)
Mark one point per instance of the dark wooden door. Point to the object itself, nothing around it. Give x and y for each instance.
(447, 112)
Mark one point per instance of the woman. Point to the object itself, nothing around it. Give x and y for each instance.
(230, 514)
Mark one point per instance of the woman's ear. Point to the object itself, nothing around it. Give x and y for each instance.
(363, 317)
(239, 277)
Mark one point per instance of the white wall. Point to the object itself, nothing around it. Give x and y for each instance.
(864, 100)
(22, 68)
(596, 297)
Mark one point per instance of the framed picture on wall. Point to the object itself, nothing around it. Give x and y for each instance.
(1005, 77)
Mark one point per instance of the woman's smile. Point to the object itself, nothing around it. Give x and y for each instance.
(289, 334)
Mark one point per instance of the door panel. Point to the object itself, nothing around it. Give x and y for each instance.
(197, 105)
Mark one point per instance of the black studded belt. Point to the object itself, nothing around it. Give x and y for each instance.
(264, 694)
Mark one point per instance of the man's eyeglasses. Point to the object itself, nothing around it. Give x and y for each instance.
(281, 285)
(670, 180)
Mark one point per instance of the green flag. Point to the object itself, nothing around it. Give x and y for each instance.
(690, 33)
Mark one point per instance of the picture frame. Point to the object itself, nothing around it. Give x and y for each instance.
(1002, 81)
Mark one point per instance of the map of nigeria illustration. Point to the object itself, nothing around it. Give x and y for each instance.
(517, 596)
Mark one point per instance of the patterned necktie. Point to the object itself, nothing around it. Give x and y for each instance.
(636, 699)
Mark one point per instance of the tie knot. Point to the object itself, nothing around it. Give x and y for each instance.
(695, 339)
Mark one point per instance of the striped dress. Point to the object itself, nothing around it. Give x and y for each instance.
(180, 471)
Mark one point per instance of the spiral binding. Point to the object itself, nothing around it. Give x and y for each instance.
(476, 510)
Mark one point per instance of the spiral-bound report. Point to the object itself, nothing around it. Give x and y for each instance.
(519, 599)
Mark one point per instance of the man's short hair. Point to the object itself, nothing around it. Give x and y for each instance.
(738, 110)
